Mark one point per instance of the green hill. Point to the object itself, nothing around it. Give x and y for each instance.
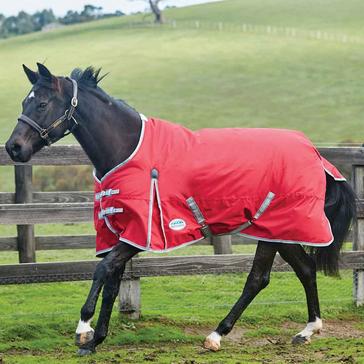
(327, 15)
(209, 78)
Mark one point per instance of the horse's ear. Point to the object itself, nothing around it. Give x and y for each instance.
(32, 76)
(44, 71)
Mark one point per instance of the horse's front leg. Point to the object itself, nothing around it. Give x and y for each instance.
(108, 274)
(84, 331)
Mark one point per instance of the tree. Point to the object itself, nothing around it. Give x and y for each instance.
(42, 18)
(71, 17)
(154, 7)
(16, 25)
(25, 23)
(90, 12)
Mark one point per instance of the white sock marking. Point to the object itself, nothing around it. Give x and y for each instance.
(215, 337)
(84, 326)
(311, 328)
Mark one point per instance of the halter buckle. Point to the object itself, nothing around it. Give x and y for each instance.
(74, 101)
(44, 134)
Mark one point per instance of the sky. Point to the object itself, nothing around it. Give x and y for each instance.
(60, 7)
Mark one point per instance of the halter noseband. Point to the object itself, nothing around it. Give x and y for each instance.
(68, 115)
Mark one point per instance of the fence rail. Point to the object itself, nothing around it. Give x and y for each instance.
(26, 208)
(64, 212)
(62, 155)
(152, 267)
(51, 197)
(258, 29)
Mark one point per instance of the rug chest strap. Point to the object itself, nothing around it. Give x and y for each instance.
(205, 229)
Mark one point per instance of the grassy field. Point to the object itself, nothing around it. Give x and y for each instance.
(177, 313)
(334, 16)
(200, 78)
(204, 78)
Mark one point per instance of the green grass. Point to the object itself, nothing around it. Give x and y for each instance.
(200, 78)
(177, 313)
(206, 78)
(180, 352)
(335, 16)
(39, 319)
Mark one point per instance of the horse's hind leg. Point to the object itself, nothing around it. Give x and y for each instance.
(257, 280)
(305, 269)
(108, 274)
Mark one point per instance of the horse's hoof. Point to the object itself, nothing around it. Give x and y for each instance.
(211, 344)
(299, 340)
(84, 352)
(84, 338)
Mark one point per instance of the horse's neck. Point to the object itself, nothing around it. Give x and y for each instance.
(107, 132)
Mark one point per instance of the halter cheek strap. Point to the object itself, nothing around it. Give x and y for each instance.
(67, 116)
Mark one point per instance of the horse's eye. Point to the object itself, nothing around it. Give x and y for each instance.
(42, 105)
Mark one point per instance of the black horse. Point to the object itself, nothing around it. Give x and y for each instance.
(108, 130)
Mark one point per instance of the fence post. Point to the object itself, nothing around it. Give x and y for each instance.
(358, 238)
(129, 297)
(222, 244)
(24, 194)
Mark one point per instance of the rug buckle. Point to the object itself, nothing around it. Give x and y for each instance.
(205, 229)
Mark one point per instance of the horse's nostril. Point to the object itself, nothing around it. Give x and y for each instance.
(16, 149)
(13, 149)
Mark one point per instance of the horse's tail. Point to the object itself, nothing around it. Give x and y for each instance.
(340, 209)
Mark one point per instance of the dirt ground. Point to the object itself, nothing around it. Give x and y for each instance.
(339, 342)
(339, 329)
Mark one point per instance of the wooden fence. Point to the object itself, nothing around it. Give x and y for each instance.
(246, 28)
(25, 208)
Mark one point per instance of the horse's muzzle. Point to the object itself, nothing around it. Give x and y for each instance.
(18, 151)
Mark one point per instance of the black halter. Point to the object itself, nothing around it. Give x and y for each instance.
(68, 115)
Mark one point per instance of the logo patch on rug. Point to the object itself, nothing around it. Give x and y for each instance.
(177, 224)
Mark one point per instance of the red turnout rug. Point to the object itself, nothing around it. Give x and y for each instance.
(181, 185)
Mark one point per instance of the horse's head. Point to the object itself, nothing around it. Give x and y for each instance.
(46, 116)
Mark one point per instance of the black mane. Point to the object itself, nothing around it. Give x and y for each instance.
(90, 77)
